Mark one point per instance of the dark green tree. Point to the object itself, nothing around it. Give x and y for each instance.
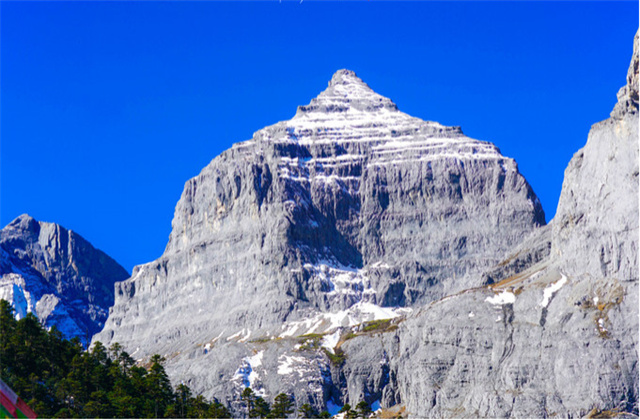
(307, 411)
(349, 413)
(158, 387)
(218, 411)
(363, 409)
(249, 399)
(324, 415)
(183, 395)
(282, 406)
(198, 408)
(261, 409)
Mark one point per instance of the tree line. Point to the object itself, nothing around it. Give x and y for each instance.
(57, 378)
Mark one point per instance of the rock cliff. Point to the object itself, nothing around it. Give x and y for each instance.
(555, 334)
(349, 212)
(58, 275)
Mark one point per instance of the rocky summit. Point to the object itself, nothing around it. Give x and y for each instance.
(350, 213)
(58, 276)
(357, 253)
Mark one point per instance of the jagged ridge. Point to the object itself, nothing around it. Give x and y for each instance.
(58, 275)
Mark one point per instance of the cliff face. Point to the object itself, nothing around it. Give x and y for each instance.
(57, 275)
(350, 211)
(354, 252)
(596, 227)
(556, 333)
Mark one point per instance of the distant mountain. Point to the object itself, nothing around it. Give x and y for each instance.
(349, 212)
(58, 275)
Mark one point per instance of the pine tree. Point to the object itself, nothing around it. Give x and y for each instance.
(197, 407)
(307, 412)
(363, 409)
(158, 386)
(349, 413)
(261, 409)
(183, 394)
(249, 399)
(281, 407)
(218, 411)
(57, 378)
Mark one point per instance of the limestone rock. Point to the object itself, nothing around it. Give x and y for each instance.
(555, 334)
(58, 275)
(349, 212)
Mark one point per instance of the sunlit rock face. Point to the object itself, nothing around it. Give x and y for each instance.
(555, 334)
(348, 212)
(57, 275)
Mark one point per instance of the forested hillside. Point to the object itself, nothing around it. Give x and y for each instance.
(58, 379)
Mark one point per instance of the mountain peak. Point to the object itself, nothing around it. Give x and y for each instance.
(345, 77)
(24, 222)
(346, 91)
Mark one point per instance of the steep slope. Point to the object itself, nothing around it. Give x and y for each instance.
(557, 335)
(337, 216)
(57, 275)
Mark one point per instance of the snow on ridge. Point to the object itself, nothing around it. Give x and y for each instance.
(330, 342)
(244, 333)
(432, 157)
(326, 321)
(502, 298)
(380, 264)
(550, 290)
(340, 281)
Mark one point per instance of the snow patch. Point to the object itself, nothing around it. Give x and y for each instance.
(331, 341)
(327, 321)
(256, 360)
(285, 367)
(247, 373)
(503, 298)
(236, 335)
(243, 332)
(551, 290)
(246, 337)
(380, 264)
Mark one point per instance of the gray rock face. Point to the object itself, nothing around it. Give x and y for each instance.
(335, 217)
(57, 275)
(556, 332)
(596, 226)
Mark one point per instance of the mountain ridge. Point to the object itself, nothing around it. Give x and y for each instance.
(58, 275)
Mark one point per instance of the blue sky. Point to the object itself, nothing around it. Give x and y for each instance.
(107, 108)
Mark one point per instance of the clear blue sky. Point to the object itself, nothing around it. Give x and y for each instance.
(108, 108)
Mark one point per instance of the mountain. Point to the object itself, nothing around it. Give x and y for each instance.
(349, 212)
(556, 333)
(59, 276)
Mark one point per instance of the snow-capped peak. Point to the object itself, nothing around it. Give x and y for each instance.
(345, 92)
